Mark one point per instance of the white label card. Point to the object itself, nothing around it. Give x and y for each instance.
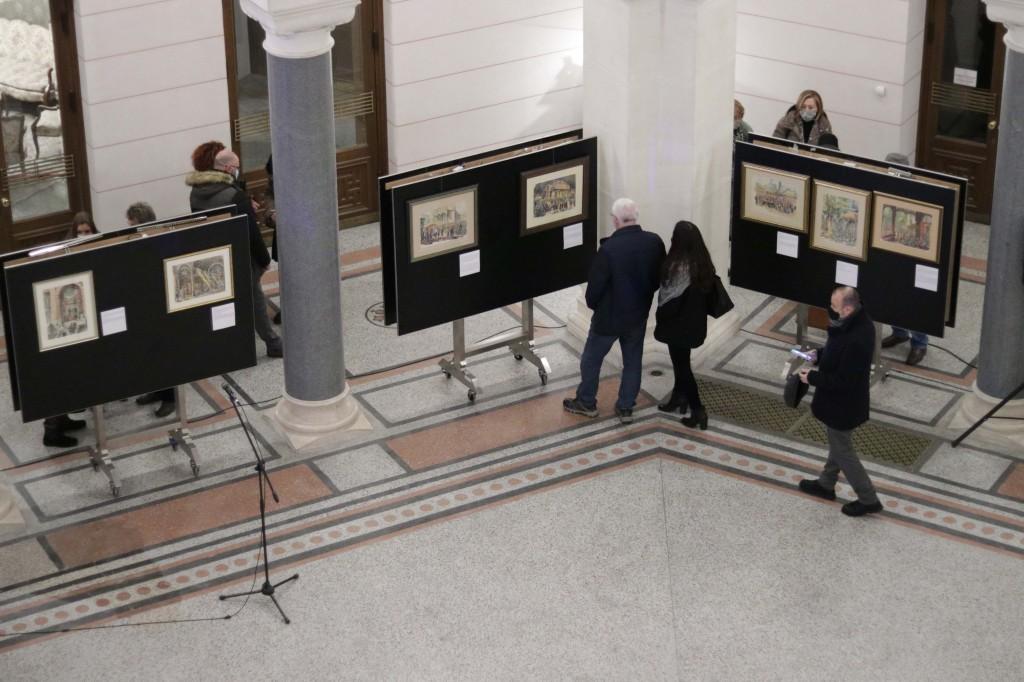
(787, 245)
(968, 77)
(846, 273)
(926, 278)
(114, 321)
(222, 316)
(469, 263)
(572, 235)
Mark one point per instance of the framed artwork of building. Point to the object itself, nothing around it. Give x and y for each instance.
(65, 310)
(775, 197)
(442, 223)
(554, 195)
(840, 223)
(911, 228)
(198, 278)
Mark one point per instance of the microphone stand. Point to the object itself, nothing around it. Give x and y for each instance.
(988, 415)
(263, 478)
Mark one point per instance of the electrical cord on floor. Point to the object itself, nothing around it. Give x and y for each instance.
(930, 345)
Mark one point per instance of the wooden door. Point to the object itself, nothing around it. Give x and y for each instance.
(961, 82)
(43, 177)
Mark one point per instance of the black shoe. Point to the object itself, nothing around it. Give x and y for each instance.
(696, 418)
(58, 440)
(893, 340)
(812, 487)
(277, 317)
(625, 416)
(673, 403)
(574, 406)
(166, 408)
(275, 349)
(66, 423)
(147, 398)
(916, 355)
(858, 508)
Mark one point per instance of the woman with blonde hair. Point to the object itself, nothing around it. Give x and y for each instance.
(805, 121)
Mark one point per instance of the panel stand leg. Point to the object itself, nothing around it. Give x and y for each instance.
(180, 436)
(794, 362)
(519, 343)
(879, 367)
(100, 454)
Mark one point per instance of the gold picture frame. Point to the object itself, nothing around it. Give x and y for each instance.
(774, 197)
(198, 278)
(907, 227)
(65, 310)
(554, 195)
(841, 220)
(442, 223)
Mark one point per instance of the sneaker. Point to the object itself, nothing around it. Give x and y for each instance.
(858, 508)
(574, 406)
(625, 416)
(916, 355)
(59, 440)
(812, 487)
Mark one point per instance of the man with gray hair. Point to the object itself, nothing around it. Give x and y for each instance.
(620, 289)
(842, 381)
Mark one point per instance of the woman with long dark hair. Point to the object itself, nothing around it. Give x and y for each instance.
(687, 278)
(82, 225)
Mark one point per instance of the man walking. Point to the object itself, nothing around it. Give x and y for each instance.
(842, 384)
(620, 289)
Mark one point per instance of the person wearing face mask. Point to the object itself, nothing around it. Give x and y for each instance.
(740, 129)
(214, 183)
(842, 381)
(82, 225)
(805, 121)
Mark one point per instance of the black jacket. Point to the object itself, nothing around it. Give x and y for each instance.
(211, 189)
(623, 279)
(842, 380)
(683, 321)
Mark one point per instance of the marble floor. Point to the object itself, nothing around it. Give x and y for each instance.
(506, 539)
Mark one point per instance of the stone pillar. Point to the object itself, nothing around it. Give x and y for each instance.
(657, 92)
(317, 401)
(1000, 369)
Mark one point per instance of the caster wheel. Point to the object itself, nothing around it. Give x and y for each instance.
(115, 490)
(174, 445)
(518, 357)
(543, 377)
(195, 470)
(95, 466)
(472, 396)
(447, 374)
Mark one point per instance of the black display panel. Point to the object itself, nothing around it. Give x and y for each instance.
(158, 349)
(886, 280)
(514, 265)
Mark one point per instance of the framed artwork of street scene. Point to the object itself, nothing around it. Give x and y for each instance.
(199, 278)
(840, 224)
(442, 223)
(553, 196)
(907, 227)
(65, 310)
(775, 197)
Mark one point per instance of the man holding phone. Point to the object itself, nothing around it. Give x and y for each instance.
(842, 381)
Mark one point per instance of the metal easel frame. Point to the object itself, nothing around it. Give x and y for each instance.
(879, 367)
(178, 436)
(519, 342)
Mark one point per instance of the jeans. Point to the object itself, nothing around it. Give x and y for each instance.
(631, 343)
(685, 383)
(917, 339)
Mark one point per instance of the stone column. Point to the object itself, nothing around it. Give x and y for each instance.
(317, 401)
(657, 92)
(1000, 369)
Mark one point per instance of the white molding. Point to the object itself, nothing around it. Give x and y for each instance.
(299, 29)
(1010, 13)
(305, 422)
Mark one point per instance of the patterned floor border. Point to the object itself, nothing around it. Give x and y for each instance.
(111, 596)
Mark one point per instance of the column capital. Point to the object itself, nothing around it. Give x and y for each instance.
(297, 29)
(1009, 13)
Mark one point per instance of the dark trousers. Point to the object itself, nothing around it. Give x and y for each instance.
(631, 343)
(685, 382)
(842, 457)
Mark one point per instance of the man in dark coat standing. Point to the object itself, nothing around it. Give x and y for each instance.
(219, 187)
(621, 286)
(842, 382)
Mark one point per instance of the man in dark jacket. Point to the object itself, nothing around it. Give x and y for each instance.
(219, 187)
(621, 286)
(841, 402)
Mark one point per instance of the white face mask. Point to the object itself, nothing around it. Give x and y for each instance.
(808, 115)
(234, 173)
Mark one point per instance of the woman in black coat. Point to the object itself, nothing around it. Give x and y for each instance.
(687, 278)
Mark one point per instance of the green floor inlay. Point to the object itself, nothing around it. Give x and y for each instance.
(763, 412)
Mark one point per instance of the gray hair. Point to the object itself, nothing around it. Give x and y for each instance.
(626, 211)
(140, 212)
(851, 296)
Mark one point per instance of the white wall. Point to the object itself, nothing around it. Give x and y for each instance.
(154, 85)
(464, 76)
(844, 49)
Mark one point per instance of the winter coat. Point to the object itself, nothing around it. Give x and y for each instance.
(623, 279)
(211, 189)
(683, 321)
(842, 379)
(791, 127)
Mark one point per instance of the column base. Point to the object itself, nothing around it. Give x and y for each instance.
(305, 422)
(10, 516)
(1002, 434)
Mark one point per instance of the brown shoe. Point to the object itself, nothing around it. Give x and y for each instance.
(916, 355)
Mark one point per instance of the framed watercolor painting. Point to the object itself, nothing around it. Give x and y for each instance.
(554, 195)
(198, 278)
(840, 223)
(775, 197)
(442, 223)
(65, 310)
(907, 227)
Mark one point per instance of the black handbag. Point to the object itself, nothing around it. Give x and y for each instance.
(719, 302)
(794, 391)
